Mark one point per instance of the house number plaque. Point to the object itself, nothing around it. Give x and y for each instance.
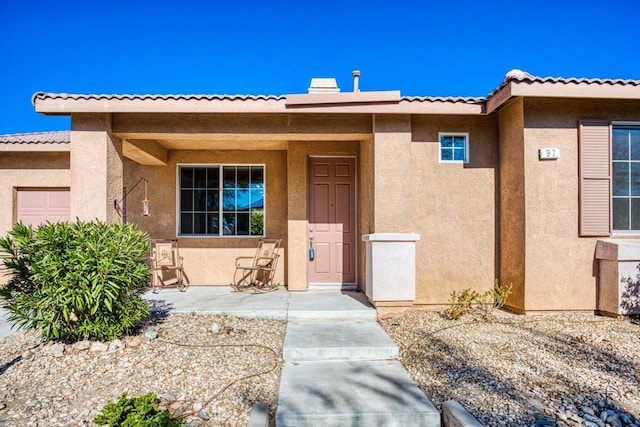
(548, 153)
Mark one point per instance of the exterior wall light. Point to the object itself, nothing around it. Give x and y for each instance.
(121, 205)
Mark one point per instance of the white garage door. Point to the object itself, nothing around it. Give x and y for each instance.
(37, 206)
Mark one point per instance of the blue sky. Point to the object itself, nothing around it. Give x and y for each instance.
(437, 48)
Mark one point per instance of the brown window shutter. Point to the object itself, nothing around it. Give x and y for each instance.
(595, 178)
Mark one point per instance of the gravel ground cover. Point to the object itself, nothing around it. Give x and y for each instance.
(557, 369)
(210, 369)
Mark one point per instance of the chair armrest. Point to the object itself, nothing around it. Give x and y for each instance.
(240, 259)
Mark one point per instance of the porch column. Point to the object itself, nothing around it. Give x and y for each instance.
(392, 154)
(297, 224)
(96, 168)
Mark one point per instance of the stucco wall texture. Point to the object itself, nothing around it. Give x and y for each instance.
(512, 202)
(451, 205)
(559, 265)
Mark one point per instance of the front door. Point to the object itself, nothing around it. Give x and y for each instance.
(332, 224)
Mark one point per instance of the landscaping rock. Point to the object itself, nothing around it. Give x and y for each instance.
(56, 350)
(554, 367)
(116, 345)
(151, 334)
(203, 414)
(80, 384)
(167, 397)
(215, 329)
(99, 347)
(133, 342)
(82, 345)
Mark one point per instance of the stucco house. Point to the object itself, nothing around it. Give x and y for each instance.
(525, 185)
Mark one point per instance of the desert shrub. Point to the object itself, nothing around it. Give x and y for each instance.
(76, 280)
(470, 301)
(139, 411)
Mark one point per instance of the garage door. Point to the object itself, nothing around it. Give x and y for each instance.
(37, 206)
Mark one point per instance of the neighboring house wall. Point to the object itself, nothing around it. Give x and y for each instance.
(28, 170)
(560, 270)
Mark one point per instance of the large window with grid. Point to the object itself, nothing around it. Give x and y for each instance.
(625, 156)
(221, 200)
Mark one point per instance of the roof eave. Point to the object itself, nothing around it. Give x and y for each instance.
(34, 147)
(390, 103)
(561, 89)
(392, 96)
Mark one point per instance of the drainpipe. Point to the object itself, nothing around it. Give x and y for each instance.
(356, 77)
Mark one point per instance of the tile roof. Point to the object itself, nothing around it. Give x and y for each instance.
(463, 99)
(522, 76)
(549, 86)
(168, 97)
(174, 97)
(516, 75)
(57, 137)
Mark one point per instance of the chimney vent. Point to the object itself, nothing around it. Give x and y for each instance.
(356, 79)
(325, 85)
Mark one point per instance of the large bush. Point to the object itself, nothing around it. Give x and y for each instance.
(73, 281)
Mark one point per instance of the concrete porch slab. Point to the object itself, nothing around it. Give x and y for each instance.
(348, 393)
(331, 305)
(222, 300)
(337, 340)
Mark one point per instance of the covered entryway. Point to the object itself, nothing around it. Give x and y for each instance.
(36, 206)
(332, 223)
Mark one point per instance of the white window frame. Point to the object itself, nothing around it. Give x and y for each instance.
(620, 124)
(466, 146)
(221, 166)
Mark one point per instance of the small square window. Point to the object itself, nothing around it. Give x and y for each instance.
(454, 147)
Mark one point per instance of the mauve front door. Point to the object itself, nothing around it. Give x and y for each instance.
(332, 199)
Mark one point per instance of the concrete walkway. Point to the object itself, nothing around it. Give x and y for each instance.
(341, 368)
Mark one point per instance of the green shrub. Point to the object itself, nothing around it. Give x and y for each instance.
(469, 301)
(76, 280)
(139, 411)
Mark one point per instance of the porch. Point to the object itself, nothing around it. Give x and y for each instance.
(278, 305)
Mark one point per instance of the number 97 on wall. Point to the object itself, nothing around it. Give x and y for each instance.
(548, 153)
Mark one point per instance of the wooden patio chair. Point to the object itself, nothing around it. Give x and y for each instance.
(166, 265)
(257, 272)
